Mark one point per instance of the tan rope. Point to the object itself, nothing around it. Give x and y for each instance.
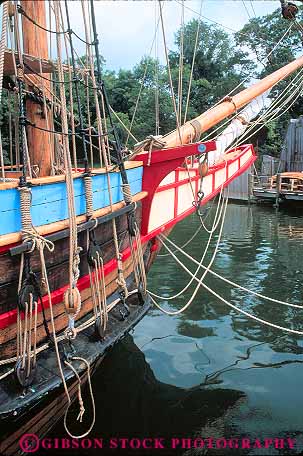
(101, 145)
(98, 289)
(123, 124)
(156, 75)
(89, 196)
(149, 143)
(127, 193)
(181, 61)
(101, 290)
(82, 409)
(2, 52)
(120, 279)
(154, 41)
(82, 327)
(71, 99)
(169, 73)
(193, 65)
(74, 257)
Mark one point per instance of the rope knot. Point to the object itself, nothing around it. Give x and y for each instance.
(20, 73)
(127, 193)
(149, 143)
(88, 196)
(230, 100)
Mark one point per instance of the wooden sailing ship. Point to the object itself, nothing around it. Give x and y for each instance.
(77, 242)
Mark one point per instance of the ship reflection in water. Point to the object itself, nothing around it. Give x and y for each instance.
(211, 372)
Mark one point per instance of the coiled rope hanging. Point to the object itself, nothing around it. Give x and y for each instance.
(72, 295)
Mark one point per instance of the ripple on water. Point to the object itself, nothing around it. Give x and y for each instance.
(211, 344)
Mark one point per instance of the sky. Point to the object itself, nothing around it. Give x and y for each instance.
(126, 28)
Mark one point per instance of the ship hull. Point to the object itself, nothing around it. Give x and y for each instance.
(45, 408)
(166, 197)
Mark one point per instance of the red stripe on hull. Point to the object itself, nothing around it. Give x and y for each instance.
(9, 318)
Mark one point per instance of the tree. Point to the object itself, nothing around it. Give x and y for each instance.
(261, 35)
(220, 64)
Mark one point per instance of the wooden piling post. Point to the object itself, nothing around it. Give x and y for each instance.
(250, 186)
(278, 189)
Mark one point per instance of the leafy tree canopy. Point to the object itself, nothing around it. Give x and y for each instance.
(222, 61)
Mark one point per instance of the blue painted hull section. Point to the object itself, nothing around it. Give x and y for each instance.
(49, 202)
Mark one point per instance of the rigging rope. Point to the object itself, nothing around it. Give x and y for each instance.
(169, 73)
(193, 64)
(217, 218)
(69, 31)
(271, 114)
(237, 309)
(224, 279)
(73, 300)
(200, 281)
(181, 62)
(243, 81)
(76, 81)
(2, 53)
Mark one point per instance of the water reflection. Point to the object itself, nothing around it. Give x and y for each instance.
(212, 371)
(261, 249)
(131, 402)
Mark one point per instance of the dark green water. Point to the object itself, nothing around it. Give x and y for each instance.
(212, 372)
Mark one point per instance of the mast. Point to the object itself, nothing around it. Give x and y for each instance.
(213, 116)
(35, 44)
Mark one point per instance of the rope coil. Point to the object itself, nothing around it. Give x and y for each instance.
(197, 128)
(150, 143)
(127, 193)
(20, 73)
(88, 196)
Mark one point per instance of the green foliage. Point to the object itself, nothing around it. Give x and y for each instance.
(261, 35)
(221, 63)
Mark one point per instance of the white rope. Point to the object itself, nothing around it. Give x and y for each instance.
(73, 295)
(193, 64)
(224, 279)
(197, 231)
(245, 80)
(253, 317)
(154, 42)
(270, 113)
(87, 324)
(260, 320)
(274, 115)
(177, 312)
(169, 73)
(216, 220)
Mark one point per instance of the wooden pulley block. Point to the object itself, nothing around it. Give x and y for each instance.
(289, 11)
(99, 329)
(72, 301)
(24, 378)
(203, 168)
